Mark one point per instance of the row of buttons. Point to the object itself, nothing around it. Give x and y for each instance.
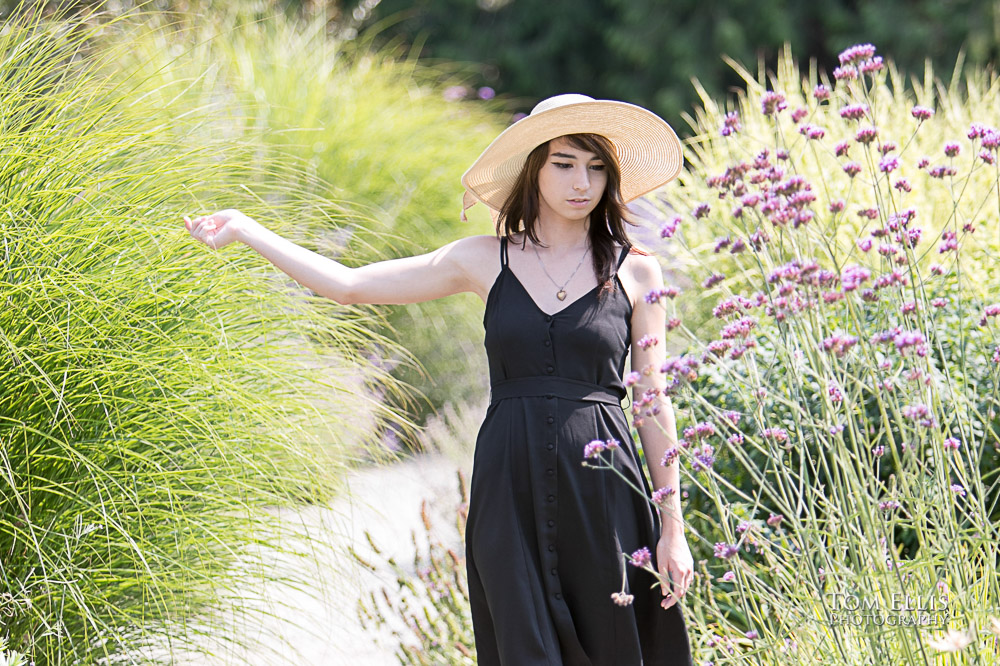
(550, 472)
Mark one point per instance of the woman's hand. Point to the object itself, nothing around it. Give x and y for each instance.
(673, 558)
(218, 229)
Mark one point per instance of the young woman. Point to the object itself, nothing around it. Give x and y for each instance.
(547, 538)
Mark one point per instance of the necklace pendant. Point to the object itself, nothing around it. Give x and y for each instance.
(561, 294)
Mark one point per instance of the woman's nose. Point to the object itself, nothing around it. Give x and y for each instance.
(582, 180)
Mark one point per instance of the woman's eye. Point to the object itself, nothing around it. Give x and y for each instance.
(597, 167)
(563, 165)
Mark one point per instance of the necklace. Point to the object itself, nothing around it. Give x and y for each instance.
(561, 294)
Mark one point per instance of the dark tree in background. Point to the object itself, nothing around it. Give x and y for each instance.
(647, 51)
(643, 51)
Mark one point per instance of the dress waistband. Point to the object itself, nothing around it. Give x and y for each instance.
(561, 387)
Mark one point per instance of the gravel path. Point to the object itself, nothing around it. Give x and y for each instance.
(319, 626)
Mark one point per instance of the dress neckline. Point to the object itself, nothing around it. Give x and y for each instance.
(576, 300)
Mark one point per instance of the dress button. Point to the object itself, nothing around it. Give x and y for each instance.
(548, 317)
(552, 523)
(548, 343)
(550, 420)
(553, 572)
(551, 548)
(549, 369)
(550, 472)
(551, 498)
(558, 596)
(549, 396)
(550, 446)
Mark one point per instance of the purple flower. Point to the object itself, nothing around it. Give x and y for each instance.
(854, 111)
(775, 519)
(670, 227)
(889, 505)
(725, 551)
(921, 112)
(958, 489)
(878, 451)
(952, 443)
(942, 171)
(842, 148)
(701, 210)
(772, 102)
(837, 206)
(703, 458)
(852, 169)
(842, 73)
(728, 577)
(594, 448)
(631, 378)
(669, 456)
(839, 344)
(661, 495)
(641, 557)
(520, 115)
(752, 634)
(713, 280)
(777, 434)
(648, 341)
(871, 66)
(798, 114)
(486, 92)
(852, 276)
(888, 164)
(821, 92)
(812, 132)
(866, 135)
(856, 54)
(902, 185)
(951, 149)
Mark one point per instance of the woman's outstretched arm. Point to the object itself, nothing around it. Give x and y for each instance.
(456, 267)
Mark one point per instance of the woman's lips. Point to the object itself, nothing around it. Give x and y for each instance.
(578, 203)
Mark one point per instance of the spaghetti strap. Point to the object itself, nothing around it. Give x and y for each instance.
(621, 259)
(503, 252)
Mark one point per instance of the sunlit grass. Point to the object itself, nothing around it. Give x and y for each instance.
(157, 399)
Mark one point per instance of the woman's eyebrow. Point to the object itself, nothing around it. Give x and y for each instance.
(572, 157)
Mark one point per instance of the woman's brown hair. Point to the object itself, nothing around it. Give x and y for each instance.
(607, 221)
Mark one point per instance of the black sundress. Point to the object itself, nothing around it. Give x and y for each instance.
(545, 535)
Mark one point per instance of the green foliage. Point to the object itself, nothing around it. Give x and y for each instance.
(844, 388)
(158, 400)
(647, 51)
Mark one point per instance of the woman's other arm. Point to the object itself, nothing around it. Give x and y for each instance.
(461, 265)
(658, 432)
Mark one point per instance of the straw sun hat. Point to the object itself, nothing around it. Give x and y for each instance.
(648, 150)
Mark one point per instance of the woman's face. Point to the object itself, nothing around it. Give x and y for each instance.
(571, 182)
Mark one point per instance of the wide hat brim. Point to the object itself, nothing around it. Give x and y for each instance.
(648, 150)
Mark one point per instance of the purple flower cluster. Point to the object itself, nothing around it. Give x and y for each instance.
(725, 551)
(647, 341)
(703, 458)
(597, 446)
(919, 413)
(731, 124)
(854, 111)
(641, 557)
(772, 102)
(839, 344)
(663, 494)
(655, 295)
(669, 227)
